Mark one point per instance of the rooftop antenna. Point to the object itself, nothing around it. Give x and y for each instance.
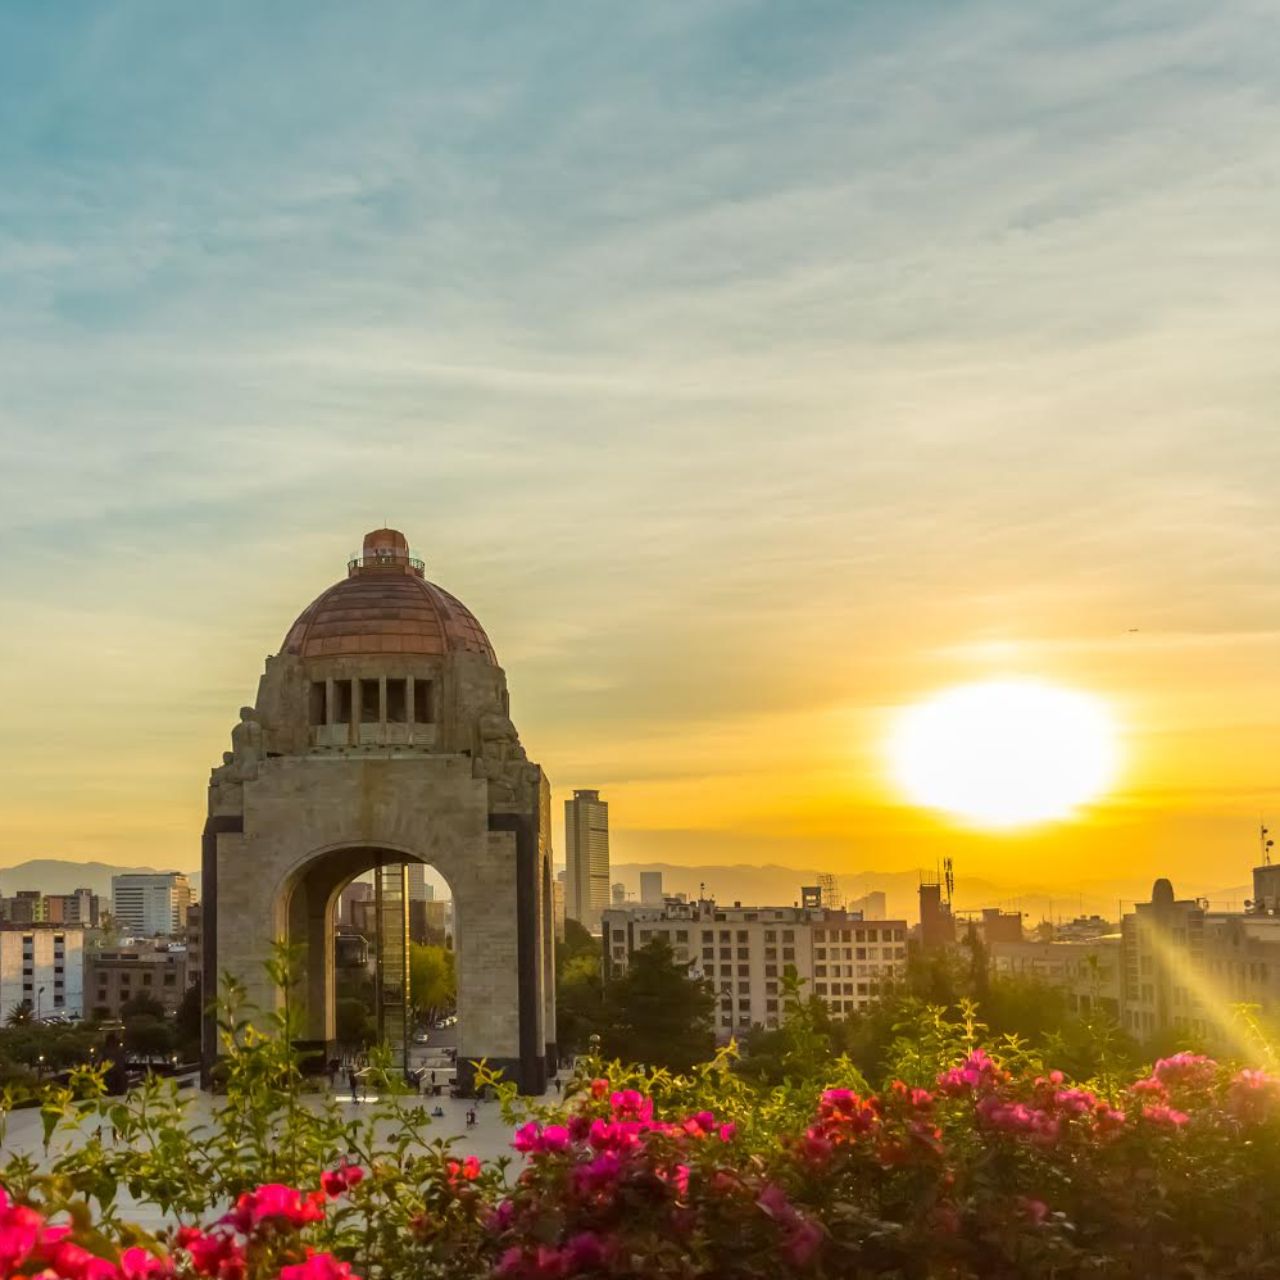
(1267, 843)
(949, 878)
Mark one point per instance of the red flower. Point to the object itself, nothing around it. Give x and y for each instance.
(343, 1178)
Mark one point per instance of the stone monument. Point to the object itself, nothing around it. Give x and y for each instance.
(381, 735)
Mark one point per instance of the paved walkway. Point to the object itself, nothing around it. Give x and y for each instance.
(490, 1138)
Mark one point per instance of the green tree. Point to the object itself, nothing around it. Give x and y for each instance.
(148, 1036)
(577, 942)
(656, 1014)
(579, 1002)
(354, 1029)
(142, 1005)
(21, 1014)
(433, 980)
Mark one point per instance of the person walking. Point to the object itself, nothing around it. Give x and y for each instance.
(354, 1081)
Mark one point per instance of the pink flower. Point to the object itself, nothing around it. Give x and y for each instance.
(584, 1252)
(1149, 1088)
(318, 1266)
(1190, 1070)
(773, 1200)
(1107, 1119)
(1018, 1118)
(728, 1131)
(803, 1242)
(631, 1104)
(599, 1088)
(274, 1204)
(213, 1253)
(335, 1181)
(19, 1233)
(138, 1264)
(533, 1138)
(599, 1174)
(696, 1126)
(1165, 1117)
(977, 1074)
(1036, 1210)
(71, 1262)
(1252, 1096)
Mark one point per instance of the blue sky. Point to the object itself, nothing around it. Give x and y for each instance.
(740, 364)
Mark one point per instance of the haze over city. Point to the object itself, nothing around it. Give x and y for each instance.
(745, 408)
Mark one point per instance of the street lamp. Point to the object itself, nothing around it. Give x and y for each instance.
(39, 997)
(40, 1067)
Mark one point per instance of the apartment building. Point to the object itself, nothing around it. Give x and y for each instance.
(1087, 970)
(42, 965)
(113, 978)
(745, 952)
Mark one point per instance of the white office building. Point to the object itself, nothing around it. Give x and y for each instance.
(745, 952)
(42, 965)
(149, 904)
(651, 888)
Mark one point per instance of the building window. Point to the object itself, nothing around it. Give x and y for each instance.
(682, 935)
(820, 988)
(422, 713)
(169, 980)
(744, 988)
(397, 701)
(788, 935)
(771, 971)
(370, 699)
(318, 701)
(771, 935)
(771, 1006)
(744, 953)
(726, 953)
(342, 702)
(708, 953)
(708, 935)
(788, 953)
(742, 935)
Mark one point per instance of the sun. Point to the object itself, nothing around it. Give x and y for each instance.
(1005, 753)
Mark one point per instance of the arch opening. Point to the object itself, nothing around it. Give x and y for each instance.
(364, 960)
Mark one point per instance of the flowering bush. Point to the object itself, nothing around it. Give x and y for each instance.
(969, 1162)
(992, 1171)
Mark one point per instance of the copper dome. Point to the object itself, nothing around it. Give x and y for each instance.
(386, 605)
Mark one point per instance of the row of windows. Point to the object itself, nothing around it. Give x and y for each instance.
(366, 697)
(848, 988)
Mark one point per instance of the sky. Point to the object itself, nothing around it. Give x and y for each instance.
(752, 371)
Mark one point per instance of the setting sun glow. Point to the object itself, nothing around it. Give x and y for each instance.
(1005, 753)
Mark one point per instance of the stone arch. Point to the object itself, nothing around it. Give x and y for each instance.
(307, 913)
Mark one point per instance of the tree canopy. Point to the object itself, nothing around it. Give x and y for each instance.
(433, 980)
(656, 1014)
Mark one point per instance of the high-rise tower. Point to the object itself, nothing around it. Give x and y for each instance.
(586, 835)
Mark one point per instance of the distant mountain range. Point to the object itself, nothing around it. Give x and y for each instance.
(56, 875)
(773, 885)
(753, 885)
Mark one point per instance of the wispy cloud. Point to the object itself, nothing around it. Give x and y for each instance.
(729, 358)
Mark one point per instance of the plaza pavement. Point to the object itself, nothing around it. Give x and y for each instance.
(489, 1138)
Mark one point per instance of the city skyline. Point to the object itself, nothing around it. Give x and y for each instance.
(744, 409)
